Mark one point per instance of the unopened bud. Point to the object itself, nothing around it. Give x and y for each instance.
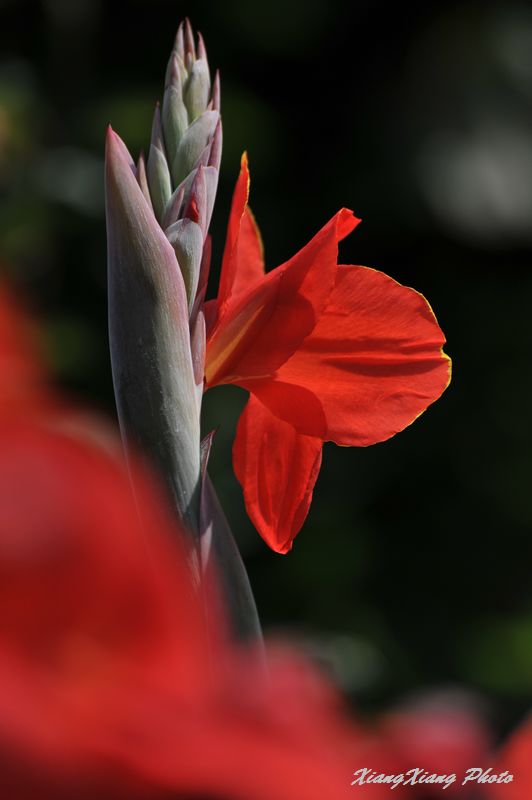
(186, 237)
(143, 179)
(176, 73)
(174, 118)
(193, 143)
(190, 50)
(198, 89)
(159, 180)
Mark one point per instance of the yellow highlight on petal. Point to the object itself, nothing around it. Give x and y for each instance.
(218, 354)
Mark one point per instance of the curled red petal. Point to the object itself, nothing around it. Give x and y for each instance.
(373, 363)
(243, 258)
(277, 469)
(250, 253)
(229, 273)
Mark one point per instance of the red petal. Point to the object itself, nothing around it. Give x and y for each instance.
(264, 325)
(242, 259)
(277, 469)
(371, 366)
(250, 253)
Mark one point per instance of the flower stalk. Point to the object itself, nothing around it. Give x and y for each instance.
(158, 216)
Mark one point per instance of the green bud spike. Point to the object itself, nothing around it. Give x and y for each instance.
(158, 271)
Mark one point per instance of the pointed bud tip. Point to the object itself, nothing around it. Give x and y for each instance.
(174, 63)
(190, 48)
(202, 50)
(179, 42)
(110, 137)
(116, 151)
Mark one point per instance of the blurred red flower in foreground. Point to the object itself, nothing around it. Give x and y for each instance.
(516, 757)
(328, 352)
(442, 733)
(108, 687)
(22, 379)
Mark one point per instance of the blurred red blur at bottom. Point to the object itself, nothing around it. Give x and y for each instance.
(110, 686)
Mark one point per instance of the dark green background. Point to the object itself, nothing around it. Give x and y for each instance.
(413, 569)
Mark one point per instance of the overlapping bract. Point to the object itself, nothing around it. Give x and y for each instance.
(328, 352)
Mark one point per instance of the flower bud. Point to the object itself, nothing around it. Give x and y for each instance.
(149, 335)
(193, 144)
(159, 180)
(186, 237)
(198, 89)
(174, 117)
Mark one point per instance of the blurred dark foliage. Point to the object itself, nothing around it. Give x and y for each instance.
(412, 570)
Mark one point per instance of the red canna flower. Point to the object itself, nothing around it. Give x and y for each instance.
(328, 353)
